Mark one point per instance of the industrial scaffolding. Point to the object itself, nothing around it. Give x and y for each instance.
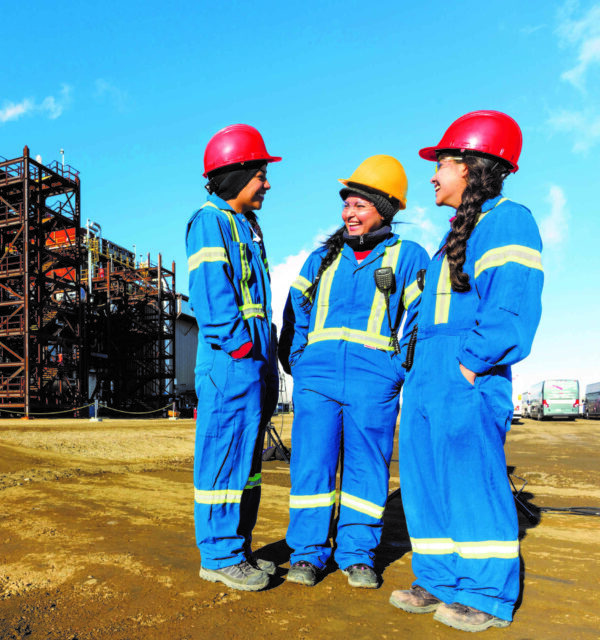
(131, 328)
(80, 319)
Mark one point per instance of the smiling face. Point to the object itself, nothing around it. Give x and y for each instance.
(251, 197)
(450, 181)
(360, 216)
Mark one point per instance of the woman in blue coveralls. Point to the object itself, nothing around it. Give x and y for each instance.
(236, 368)
(479, 312)
(348, 376)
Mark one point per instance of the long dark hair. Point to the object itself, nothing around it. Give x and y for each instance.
(484, 181)
(334, 245)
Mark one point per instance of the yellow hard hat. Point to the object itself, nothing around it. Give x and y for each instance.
(384, 174)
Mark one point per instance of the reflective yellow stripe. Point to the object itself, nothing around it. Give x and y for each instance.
(510, 253)
(234, 231)
(444, 289)
(249, 309)
(472, 550)
(390, 259)
(362, 506)
(254, 481)
(207, 254)
(324, 291)
(372, 336)
(315, 500)
(252, 311)
(351, 335)
(217, 496)
(302, 284)
(482, 216)
(246, 273)
(411, 293)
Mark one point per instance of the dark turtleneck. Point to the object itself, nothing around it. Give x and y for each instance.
(368, 241)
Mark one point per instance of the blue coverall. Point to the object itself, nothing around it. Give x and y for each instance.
(229, 287)
(457, 499)
(347, 382)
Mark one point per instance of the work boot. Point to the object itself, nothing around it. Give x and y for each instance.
(459, 616)
(242, 576)
(304, 573)
(264, 565)
(362, 576)
(415, 600)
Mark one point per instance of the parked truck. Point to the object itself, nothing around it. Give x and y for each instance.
(554, 399)
(525, 404)
(592, 401)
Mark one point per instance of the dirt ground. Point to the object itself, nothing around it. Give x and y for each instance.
(97, 542)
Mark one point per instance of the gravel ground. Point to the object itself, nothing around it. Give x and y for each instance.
(97, 542)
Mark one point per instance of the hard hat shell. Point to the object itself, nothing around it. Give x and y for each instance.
(235, 144)
(382, 173)
(490, 132)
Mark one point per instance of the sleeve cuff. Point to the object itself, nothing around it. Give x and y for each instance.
(474, 364)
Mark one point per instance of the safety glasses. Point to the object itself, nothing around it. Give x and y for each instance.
(438, 164)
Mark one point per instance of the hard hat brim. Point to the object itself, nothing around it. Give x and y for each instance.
(428, 153)
(232, 164)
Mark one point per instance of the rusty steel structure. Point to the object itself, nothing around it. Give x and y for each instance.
(131, 327)
(41, 316)
(80, 319)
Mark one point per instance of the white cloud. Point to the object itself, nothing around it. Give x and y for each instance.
(554, 228)
(55, 106)
(584, 125)
(12, 111)
(584, 34)
(50, 106)
(282, 276)
(110, 92)
(416, 224)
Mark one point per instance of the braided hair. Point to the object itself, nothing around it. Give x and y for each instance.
(334, 245)
(484, 181)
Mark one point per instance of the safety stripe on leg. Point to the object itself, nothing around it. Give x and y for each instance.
(310, 501)
(362, 506)
(484, 549)
(217, 496)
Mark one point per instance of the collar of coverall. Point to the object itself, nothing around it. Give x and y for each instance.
(367, 241)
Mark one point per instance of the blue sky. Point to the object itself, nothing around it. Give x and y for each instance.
(133, 91)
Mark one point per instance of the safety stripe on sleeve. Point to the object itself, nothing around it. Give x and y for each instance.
(218, 496)
(470, 550)
(510, 253)
(411, 293)
(365, 338)
(302, 284)
(362, 506)
(311, 501)
(207, 254)
(254, 481)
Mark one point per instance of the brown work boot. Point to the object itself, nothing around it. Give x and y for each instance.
(415, 600)
(459, 616)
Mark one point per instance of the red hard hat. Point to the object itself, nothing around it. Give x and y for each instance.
(234, 144)
(490, 132)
